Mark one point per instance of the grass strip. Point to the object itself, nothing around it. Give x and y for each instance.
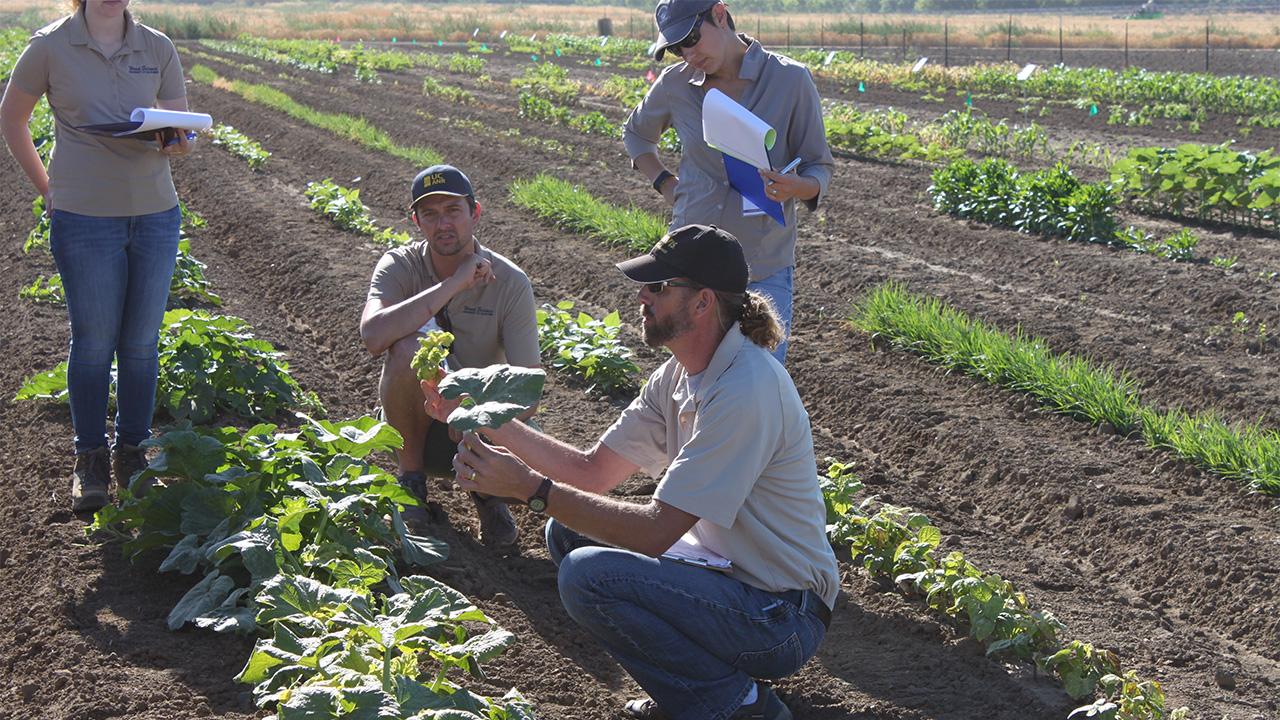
(1068, 384)
(344, 126)
(573, 208)
(900, 545)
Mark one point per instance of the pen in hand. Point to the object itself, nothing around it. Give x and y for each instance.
(790, 166)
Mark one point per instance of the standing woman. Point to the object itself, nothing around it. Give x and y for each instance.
(114, 218)
(778, 90)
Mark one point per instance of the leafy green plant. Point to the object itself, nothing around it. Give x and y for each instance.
(898, 543)
(289, 531)
(1068, 384)
(452, 93)
(550, 82)
(1208, 182)
(433, 348)
(586, 346)
(491, 396)
(573, 208)
(880, 134)
(1226, 263)
(45, 290)
(209, 364)
(468, 64)
(1049, 202)
(342, 206)
(628, 91)
(240, 145)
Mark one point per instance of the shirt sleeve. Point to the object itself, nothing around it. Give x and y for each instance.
(732, 444)
(172, 85)
(640, 433)
(647, 121)
(808, 136)
(31, 72)
(520, 329)
(388, 282)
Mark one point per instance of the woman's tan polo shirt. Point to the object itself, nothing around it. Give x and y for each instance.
(94, 174)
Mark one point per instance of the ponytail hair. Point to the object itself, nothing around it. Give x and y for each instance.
(76, 5)
(755, 315)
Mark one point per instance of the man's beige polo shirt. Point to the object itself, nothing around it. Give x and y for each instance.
(736, 444)
(492, 323)
(92, 174)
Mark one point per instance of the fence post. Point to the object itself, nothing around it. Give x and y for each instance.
(946, 44)
(1060, 60)
(1206, 45)
(822, 33)
(1126, 46)
(1008, 42)
(862, 39)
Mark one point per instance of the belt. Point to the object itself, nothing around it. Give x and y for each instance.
(810, 602)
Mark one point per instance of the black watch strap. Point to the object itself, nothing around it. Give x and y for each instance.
(662, 177)
(538, 501)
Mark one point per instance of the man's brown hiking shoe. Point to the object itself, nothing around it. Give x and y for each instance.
(127, 461)
(91, 480)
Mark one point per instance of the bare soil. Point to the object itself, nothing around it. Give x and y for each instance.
(1174, 568)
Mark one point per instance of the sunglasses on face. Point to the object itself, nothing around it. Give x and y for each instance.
(656, 288)
(689, 40)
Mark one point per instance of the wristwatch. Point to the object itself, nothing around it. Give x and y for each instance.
(538, 501)
(662, 177)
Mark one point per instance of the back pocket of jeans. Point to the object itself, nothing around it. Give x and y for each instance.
(778, 661)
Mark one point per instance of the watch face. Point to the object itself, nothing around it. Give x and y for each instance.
(537, 504)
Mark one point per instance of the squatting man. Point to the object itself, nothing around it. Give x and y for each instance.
(447, 281)
(725, 421)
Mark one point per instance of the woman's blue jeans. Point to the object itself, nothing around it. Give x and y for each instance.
(778, 288)
(115, 273)
(693, 638)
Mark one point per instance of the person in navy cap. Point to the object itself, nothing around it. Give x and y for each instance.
(777, 90)
(447, 281)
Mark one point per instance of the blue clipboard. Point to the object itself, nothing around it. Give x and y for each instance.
(744, 178)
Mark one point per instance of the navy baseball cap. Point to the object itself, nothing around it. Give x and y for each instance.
(440, 180)
(705, 254)
(675, 20)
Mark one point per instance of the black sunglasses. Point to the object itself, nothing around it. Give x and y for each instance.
(656, 288)
(691, 39)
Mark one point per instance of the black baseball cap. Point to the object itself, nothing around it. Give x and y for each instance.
(705, 254)
(440, 180)
(675, 20)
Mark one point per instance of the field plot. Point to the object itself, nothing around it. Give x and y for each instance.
(1172, 567)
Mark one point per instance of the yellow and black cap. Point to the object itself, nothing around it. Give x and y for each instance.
(441, 180)
(705, 254)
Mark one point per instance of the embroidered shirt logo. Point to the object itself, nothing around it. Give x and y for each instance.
(143, 70)
(477, 310)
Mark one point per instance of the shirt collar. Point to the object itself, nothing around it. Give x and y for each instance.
(723, 357)
(78, 29)
(752, 63)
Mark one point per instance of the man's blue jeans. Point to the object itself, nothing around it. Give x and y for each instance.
(778, 288)
(116, 273)
(692, 638)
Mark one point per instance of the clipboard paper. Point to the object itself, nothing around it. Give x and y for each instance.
(744, 141)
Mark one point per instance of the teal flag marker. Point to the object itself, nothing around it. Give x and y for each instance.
(597, 62)
(484, 46)
(393, 39)
(968, 100)
(861, 86)
(415, 41)
(439, 43)
(533, 58)
(557, 52)
(1093, 110)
